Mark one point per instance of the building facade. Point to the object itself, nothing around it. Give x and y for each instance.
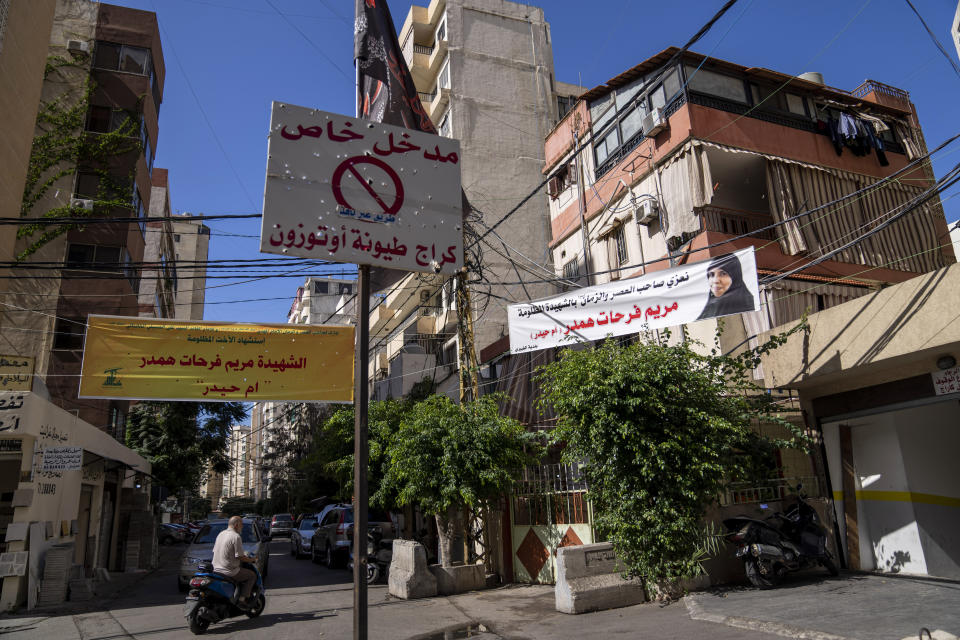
(684, 158)
(237, 483)
(484, 73)
(110, 73)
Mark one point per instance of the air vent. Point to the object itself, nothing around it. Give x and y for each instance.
(78, 46)
(82, 203)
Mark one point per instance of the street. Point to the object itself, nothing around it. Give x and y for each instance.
(305, 600)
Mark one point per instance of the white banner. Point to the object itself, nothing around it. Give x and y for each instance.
(349, 190)
(718, 287)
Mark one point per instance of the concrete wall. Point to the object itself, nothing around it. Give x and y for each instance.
(908, 500)
(22, 59)
(889, 335)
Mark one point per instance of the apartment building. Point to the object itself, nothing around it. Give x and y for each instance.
(687, 158)
(686, 154)
(191, 246)
(236, 483)
(484, 73)
(158, 275)
(115, 52)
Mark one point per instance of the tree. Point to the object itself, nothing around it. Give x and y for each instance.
(180, 439)
(446, 458)
(658, 430)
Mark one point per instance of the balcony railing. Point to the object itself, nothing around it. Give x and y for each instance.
(775, 489)
(426, 98)
(735, 222)
(424, 49)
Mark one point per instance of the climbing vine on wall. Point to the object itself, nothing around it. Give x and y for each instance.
(62, 146)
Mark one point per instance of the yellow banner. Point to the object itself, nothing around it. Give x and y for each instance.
(147, 359)
(16, 373)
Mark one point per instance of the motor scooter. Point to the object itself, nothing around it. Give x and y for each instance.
(379, 556)
(214, 597)
(780, 543)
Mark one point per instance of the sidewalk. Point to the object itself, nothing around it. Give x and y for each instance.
(855, 606)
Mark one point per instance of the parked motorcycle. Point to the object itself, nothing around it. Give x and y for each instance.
(213, 597)
(379, 555)
(780, 543)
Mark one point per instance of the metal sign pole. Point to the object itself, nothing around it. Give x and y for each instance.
(361, 452)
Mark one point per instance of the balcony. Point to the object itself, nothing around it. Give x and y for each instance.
(734, 222)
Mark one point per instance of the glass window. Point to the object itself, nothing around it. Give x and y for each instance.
(80, 255)
(443, 80)
(442, 30)
(607, 145)
(68, 333)
(134, 60)
(107, 56)
(716, 84)
(626, 93)
(88, 186)
(107, 257)
(630, 124)
(208, 534)
(308, 523)
(795, 104)
(345, 289)
(321, 286)
(671, 84)
(657, 98)
(620, 238)
(99, 119)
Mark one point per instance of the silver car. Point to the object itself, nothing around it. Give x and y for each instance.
(255, 544)
(301, 538)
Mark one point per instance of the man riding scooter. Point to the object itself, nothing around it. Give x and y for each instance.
(228, 554)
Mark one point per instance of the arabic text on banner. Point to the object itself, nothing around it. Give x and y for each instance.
(661, 299)
(349, 190)
(146, 359)
(16, 373)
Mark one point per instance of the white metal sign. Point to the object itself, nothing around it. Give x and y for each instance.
(722, 286)
(947, 381)
(62, 459)
(349, 190)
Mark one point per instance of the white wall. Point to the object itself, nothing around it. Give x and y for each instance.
(908, 495)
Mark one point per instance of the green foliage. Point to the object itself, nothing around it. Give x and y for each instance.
(199, 508)
(658, 431)
(61, 145)
(446, 456)
(238, 506)
(180, 439)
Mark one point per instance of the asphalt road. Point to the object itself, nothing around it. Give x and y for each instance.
(305, 600)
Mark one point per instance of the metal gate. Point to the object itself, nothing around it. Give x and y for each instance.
(549, 510)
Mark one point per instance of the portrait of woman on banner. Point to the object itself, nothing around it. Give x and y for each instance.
(728, 292)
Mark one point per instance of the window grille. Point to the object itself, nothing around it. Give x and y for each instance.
(4, 8)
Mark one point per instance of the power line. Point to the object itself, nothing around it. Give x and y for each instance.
(936, 41)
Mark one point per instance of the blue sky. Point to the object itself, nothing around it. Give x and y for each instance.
(227, 60)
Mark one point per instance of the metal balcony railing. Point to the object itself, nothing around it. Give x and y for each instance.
(735, 222)
(426, 98)
(424, 49)
(773, 489)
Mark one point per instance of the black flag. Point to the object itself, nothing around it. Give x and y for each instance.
(385, 89)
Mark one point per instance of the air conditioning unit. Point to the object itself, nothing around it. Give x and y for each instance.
(78, 46)
(654, 122)
(646, 212)
(82, 203)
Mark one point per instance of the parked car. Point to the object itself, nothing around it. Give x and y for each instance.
(301, 539)
(281, 524)
(170, 533)
(255, 544)
(331, 540)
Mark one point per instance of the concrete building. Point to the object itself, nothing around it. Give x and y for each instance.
(319, 301)
(236, 483)
(191, 242)
(688, 158)
(116, 52)
(158, 275)
(68, 484)
(955, 29)
(878, 380)
(211, 488)
(484, 72)
(24, 40)
(955, 237)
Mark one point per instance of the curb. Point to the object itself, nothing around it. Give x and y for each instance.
(696, 612)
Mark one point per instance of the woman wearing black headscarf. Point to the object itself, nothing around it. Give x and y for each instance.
(728, 293)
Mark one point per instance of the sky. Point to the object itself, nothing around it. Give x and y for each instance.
(228, 60)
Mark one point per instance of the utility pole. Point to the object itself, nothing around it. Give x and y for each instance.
(582, 199)
(467, 355)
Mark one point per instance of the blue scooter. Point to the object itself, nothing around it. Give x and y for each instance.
(213, 597)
